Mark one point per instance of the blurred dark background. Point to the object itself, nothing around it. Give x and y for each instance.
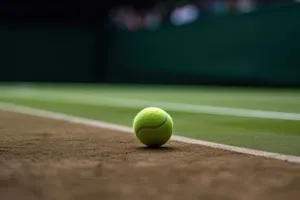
(207, 42)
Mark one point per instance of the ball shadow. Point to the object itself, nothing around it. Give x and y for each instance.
(157, 149)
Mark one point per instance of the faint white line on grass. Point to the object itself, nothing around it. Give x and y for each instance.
(168, 106)
(100, 124)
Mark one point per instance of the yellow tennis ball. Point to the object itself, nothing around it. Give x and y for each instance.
(153, 126)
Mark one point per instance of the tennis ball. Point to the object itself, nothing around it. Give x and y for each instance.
(153, 126)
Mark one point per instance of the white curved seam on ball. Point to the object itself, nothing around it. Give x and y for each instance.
(153, 127)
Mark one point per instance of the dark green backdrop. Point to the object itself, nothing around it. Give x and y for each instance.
(45, 54)
(258, 48)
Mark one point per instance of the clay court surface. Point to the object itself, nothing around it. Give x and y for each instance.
(57, 160)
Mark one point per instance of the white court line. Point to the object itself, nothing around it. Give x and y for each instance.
(138, 104)
(100, 124)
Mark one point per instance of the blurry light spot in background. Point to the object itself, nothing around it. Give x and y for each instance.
(130, 18)
(184, 14)
(245, 6)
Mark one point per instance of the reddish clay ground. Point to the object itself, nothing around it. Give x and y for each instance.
(56, 160)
